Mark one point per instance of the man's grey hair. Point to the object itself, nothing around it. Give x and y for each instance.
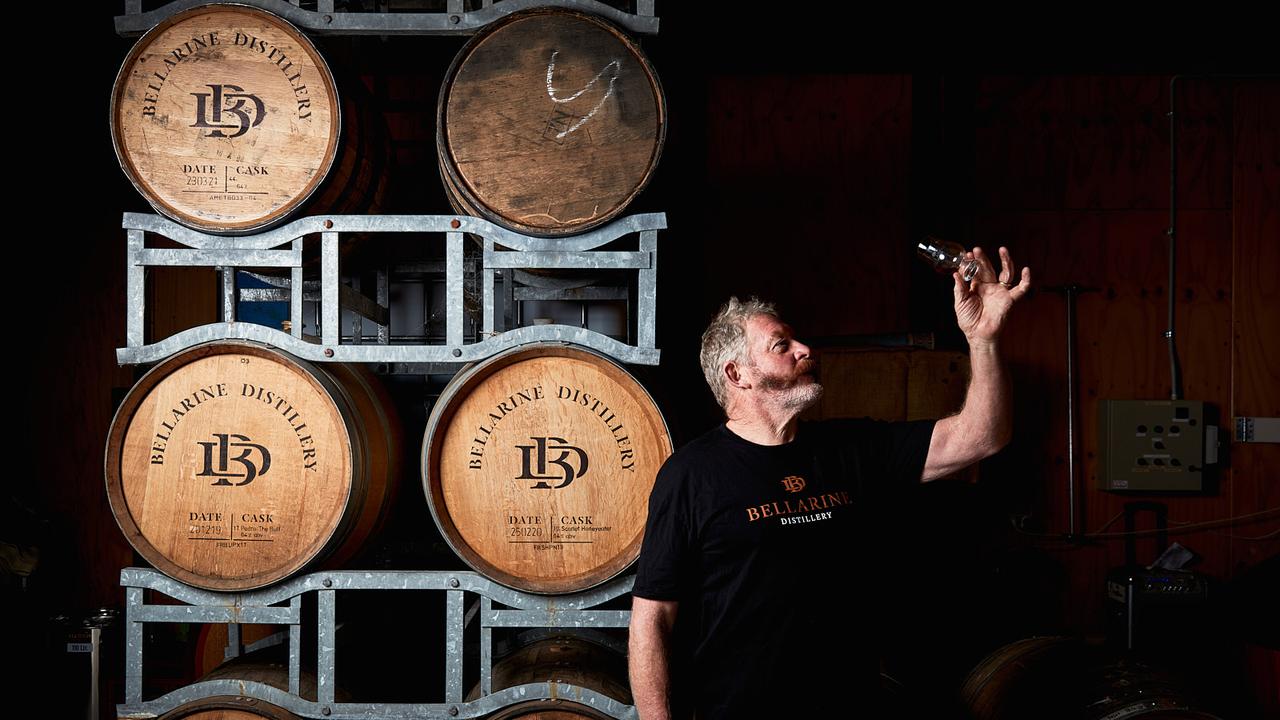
(725, 340)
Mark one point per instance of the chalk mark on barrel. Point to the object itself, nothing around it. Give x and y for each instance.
(616, 66)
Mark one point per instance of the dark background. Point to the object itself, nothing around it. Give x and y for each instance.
(805, 155)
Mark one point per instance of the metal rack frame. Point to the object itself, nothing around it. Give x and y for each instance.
(264, 606)
(265, 250)
(324, 20)
(505, 256)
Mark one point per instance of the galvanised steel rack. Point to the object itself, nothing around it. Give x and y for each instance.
(504, 252)
(471, 598)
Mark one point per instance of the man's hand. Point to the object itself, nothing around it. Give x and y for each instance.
(983, 303)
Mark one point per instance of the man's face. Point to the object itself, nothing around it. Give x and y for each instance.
(780, 365)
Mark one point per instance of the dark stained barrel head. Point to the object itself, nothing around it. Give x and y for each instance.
(550, 123)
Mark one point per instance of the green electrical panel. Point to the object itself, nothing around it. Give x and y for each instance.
(1155, 445)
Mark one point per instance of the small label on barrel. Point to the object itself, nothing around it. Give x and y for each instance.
(232, 529)
(541, 532)
(223, 182)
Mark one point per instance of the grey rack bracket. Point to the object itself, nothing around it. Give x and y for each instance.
(282, 248)
(1257, 430)
(325, 21)
(282, 603)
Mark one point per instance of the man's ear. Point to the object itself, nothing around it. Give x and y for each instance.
(733, 376)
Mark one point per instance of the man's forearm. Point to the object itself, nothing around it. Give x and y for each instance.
(983, 426)
(986, 422)
(650, 675)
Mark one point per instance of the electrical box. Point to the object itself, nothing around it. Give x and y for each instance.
(1155, 445)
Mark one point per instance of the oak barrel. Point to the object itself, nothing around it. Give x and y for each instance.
(211, 643)
(233, 465)
(227, 119)
(549, 123)
(1058, 678)
(1031, 677)
(269, 667)
(1134, 689)
(566, 659)
(537, 465)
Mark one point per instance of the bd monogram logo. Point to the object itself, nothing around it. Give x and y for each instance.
(224, 445)
(793, 483)
(211, 106)
(529, 454)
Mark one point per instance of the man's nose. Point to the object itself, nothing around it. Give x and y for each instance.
(801, 350)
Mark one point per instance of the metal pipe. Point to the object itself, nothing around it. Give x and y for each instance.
(1071, 291)
(1175, 373)
(1175, 370)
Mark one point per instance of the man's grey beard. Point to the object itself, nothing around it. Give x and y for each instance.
(802, 397)
(793, 396)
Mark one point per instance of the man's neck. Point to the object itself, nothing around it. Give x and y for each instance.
(763, 427)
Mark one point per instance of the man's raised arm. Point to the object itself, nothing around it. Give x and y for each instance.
(986, 423)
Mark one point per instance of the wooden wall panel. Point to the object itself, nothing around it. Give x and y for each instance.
(807, 197)
(862, 384)
(1119, 354)
(890, 384)
(1255, 357)
(1073, 174)
(1097, 142)
(834, 135)
(82, 556)
(74, 302)
(179, 299)
(1257, 257)
(1204, 142)
(936, 383)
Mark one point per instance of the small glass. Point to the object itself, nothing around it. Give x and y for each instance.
(947, 257)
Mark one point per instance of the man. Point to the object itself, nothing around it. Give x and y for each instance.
(751, 526)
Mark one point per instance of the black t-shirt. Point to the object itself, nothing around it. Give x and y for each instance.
(758, 545)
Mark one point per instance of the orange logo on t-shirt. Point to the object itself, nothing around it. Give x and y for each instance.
(811, 504)
(793, 483)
